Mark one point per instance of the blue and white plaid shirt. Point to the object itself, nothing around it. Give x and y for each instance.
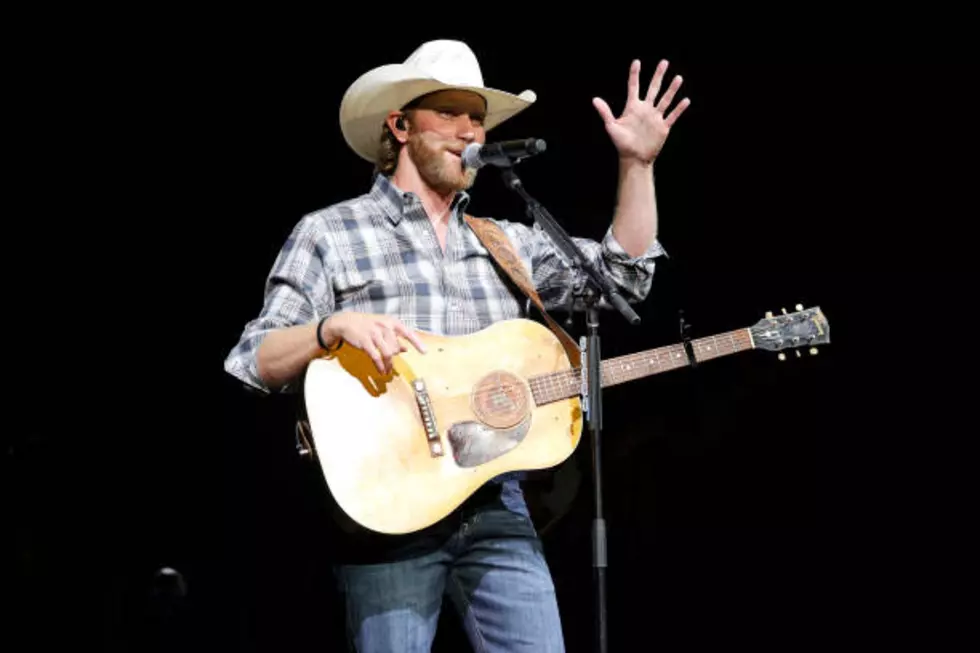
(378, 253)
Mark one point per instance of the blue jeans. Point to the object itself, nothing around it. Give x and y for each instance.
(491, 566)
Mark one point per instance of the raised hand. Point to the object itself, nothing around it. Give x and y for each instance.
(640, 132)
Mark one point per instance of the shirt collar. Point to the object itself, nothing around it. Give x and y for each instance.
(396, 202)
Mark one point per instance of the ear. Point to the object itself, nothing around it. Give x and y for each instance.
(396, 123)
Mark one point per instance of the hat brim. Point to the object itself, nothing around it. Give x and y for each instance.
(370, 99)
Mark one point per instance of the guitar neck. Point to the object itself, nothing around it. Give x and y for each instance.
(556, 386)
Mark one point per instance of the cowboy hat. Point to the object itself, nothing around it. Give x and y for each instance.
(434, 66)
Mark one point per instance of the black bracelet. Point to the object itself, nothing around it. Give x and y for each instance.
(319, 333)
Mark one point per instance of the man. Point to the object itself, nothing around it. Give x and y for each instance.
(369, 272)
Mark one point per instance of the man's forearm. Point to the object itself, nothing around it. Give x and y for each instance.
(284, 353)
(635, 220)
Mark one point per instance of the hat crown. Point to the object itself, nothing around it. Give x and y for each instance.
(450, 62)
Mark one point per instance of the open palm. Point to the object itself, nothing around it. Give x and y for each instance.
(643, 127)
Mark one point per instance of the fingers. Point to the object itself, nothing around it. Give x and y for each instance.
(386, 346)
(658, 76)
(385, 338)
(378, 337)
(676, 113)
(603, 109)
(633, 83)
(669, 94)
(373, 348)
(410, 335)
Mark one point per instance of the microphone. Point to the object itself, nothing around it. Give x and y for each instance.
(502, 154)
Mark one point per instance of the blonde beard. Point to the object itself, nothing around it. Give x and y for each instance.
(429, 157)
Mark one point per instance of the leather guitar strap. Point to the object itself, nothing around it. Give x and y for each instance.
(500, 247)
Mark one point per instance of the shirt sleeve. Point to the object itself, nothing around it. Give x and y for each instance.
(297, 291)
(556, 280)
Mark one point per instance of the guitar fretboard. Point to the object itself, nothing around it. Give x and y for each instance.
(562, 385)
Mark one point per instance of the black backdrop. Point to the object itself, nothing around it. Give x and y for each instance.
(724, 484)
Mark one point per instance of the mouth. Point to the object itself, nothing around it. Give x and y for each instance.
(455, 158)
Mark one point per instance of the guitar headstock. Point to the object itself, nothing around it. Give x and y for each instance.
(804, 328)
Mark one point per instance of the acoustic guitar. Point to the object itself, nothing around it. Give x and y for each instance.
(401, 451)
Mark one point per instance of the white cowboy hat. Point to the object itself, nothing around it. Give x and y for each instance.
(435, 65)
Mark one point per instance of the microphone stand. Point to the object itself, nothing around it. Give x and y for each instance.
(592, 291)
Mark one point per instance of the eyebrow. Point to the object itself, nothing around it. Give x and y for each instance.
(450, 108)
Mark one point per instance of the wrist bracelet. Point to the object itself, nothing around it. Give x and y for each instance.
(319, 336)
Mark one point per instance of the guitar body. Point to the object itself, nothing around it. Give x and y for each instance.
(392, 474)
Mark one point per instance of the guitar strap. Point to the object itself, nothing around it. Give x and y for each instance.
(500, 247)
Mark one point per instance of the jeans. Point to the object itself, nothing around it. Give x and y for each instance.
(490, 564)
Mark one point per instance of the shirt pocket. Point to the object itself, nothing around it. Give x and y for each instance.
(376, 291)
(351, 287)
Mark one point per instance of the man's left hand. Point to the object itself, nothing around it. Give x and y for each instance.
(640, 132)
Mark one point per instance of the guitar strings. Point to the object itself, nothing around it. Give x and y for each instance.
(562, 381)
(548, 385)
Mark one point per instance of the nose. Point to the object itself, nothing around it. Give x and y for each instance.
(465, 130)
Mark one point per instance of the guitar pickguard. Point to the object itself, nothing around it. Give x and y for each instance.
(475, 443)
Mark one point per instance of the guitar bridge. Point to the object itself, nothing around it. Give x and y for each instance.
(428, 419)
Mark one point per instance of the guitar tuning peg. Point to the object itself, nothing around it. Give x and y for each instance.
(813, 351)
(781, 356)
(784, 312)
(798, 354)
(799, 307)
(768, 314)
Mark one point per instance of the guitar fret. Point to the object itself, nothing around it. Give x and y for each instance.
(563, 385)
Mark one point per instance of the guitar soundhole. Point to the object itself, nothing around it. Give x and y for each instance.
(500, 400)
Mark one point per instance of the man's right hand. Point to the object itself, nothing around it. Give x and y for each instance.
(376, 335)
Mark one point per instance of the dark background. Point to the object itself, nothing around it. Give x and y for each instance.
(734, 508)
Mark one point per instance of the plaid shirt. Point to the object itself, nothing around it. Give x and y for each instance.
(378, 253)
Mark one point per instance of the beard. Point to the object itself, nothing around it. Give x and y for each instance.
(437, 166)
